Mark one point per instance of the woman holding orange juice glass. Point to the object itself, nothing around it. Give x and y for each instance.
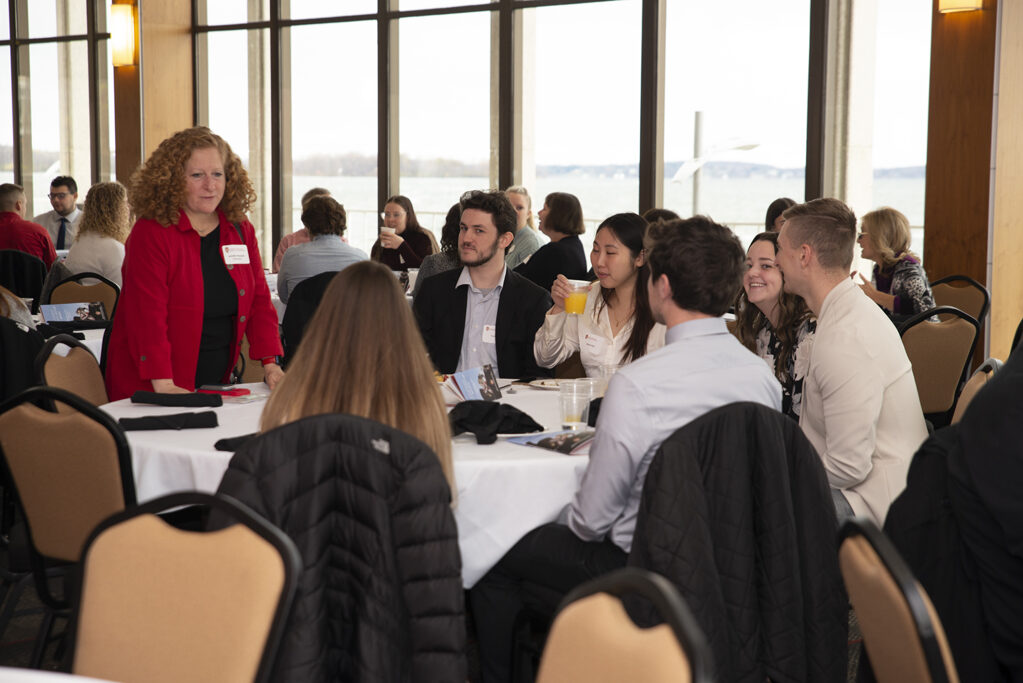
(610, 324)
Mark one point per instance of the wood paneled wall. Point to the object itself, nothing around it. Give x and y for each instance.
(1007, 221)
(154, 99)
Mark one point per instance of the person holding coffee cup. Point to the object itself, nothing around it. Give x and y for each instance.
(614, 326)
(403, 243)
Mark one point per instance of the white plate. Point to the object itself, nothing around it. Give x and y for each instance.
(545, 383)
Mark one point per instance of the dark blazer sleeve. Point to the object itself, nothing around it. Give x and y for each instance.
(519, 315)
(440, 313)
(541, 266)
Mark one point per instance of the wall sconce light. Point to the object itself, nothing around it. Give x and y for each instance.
(946, 6)
(122, 34)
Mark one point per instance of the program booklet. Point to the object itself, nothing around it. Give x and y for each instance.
(567, 442)
(84, 311)
(474, 384)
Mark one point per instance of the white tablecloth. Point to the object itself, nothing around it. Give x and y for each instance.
(504, 490)
(11, 675)
(93, 341)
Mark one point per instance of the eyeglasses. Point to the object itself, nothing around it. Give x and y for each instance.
(58, 195)
(388, 214)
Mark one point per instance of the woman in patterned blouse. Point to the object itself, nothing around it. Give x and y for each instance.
(898, 284)
(775, 325)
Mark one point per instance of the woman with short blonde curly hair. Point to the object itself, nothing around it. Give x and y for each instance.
(99, 244)
(898, 283)
(193, 279)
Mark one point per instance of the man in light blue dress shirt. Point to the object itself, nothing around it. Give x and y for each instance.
(695, 270)
(326, 251)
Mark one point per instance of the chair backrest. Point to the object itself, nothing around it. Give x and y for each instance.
(71, 470)
(901, 631)
(73, 290)
(23, 274)
(594, 639)
(964, 293)
(940, 353)
(19, 346)
(161, 604)
(77, 372)
(1017, 337)
(302, 304)
(980, 377)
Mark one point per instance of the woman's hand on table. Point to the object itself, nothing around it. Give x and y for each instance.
(390, 240)
(272, 374)
(167, 386)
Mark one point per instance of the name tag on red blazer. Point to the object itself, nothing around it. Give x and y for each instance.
(235, 253)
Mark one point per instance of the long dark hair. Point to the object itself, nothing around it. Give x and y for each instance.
(775, 209)
(749, 319)
(449, 233)
(411, 222)
(629, 229)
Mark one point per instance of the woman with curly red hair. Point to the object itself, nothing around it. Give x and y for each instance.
(193, 279)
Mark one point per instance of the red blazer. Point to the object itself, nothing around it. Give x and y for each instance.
(26, 236)
(158, 324)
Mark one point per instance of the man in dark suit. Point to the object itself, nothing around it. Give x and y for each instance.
(482, 313)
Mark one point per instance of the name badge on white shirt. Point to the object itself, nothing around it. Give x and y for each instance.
(594, 345)
(489, 334)
(235, 253)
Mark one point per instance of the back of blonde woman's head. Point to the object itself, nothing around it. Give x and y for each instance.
(362, 354)
(889, 233)
(106, 211)
(157, 188)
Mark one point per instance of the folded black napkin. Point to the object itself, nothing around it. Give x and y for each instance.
(487, 419)
(591, 421)
(178, 400)
(235, 442)
(176, 421)
(71, 325)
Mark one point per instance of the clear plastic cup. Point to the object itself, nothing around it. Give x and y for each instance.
(575, 303)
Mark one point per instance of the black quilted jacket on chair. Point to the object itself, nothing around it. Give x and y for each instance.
(380, 595)
(736, 511)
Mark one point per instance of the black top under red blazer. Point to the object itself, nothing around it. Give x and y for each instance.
(440, 312)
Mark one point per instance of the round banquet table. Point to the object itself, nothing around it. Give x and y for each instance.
(504, 489)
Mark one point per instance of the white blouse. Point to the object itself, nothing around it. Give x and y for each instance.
(562, 334)
(92, 253)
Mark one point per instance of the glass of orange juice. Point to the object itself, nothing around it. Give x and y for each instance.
(576, 301)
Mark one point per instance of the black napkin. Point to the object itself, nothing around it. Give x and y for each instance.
(487, 419)
(176, 421)
(235, 442)
(178, 400)
(591, 421)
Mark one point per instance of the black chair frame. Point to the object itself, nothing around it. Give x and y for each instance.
(233, 511)
(942, 419)
(9, 257)
(669, 604)
(973, 283)
(908, 586)
(77, 277)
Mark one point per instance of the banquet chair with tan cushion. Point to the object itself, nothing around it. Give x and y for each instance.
(940, 353)
(70, 470)
(902, 633)
(77, 372)
(74, 290)
(162, 604)
(964, 293)
(593, 639)
(976, 382)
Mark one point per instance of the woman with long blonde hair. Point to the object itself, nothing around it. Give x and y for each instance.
(362, 355)
(99, 244)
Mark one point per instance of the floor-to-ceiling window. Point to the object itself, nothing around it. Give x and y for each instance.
(54, 62)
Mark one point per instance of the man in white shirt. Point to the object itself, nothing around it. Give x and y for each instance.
(62, 221)
(695, 269)
(861, 410)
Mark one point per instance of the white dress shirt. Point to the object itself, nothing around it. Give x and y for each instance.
(479, 336)
(589, 333)
(860, 407)
(702, 366)
(51, 221)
